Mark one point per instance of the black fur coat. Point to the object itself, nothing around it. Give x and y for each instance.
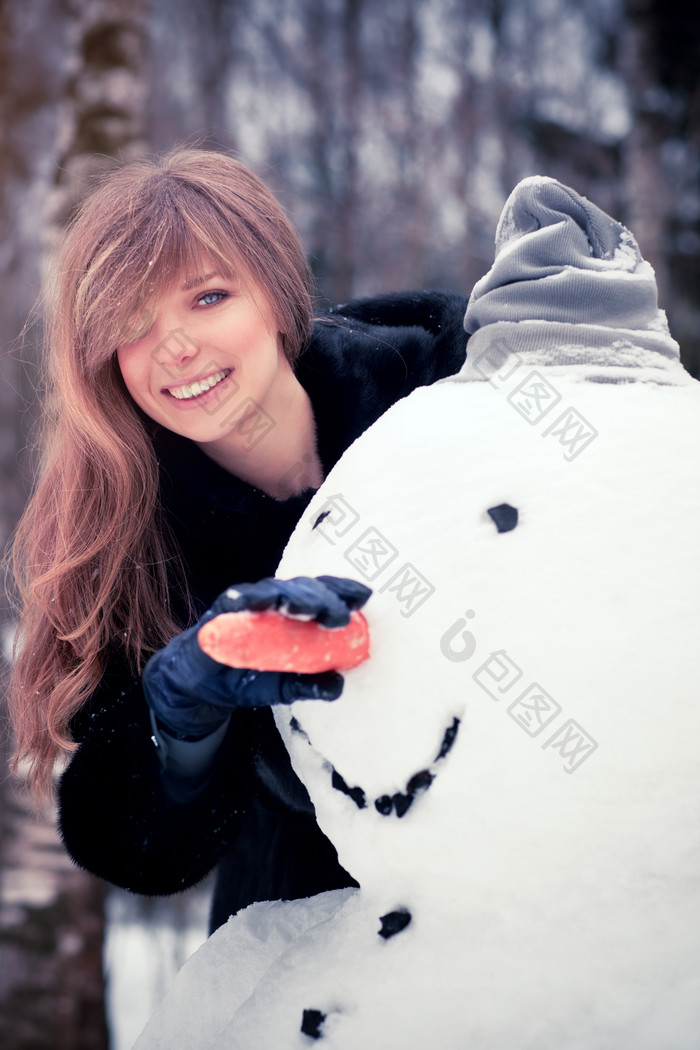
(253, 818)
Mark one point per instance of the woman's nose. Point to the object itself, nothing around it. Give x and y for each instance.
(174, 350)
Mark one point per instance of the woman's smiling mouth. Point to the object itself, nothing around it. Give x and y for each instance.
(191, 391)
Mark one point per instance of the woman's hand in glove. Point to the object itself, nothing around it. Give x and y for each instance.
(192, 695)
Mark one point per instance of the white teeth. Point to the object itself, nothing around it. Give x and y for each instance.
(195, 389)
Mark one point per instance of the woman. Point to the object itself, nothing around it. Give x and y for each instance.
(192, 409)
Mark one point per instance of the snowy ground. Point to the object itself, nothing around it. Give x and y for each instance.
(146, 943)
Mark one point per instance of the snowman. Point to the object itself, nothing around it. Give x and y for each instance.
(513, 776)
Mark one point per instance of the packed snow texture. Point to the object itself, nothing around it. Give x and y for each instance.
(516, 768)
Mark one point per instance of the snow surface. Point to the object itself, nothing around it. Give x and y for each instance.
(147, 940)
(551, 866)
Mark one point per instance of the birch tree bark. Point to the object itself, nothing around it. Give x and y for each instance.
(72, 96)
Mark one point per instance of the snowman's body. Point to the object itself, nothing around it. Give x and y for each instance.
(530, 708)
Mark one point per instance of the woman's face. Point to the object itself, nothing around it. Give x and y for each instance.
(210, 362)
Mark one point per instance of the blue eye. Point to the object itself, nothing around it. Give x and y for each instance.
(210, 298)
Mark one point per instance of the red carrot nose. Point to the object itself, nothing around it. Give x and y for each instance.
(271, 641)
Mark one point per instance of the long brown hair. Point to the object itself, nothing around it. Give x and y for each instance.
(91, 556)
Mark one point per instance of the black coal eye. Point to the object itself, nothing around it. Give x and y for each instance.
(319, 519)
(504, 517)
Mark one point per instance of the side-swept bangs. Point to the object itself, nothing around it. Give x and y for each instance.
(149, 223)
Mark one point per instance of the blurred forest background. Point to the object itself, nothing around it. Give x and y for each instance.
(393, 131)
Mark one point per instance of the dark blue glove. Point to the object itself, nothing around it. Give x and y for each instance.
(192, 695)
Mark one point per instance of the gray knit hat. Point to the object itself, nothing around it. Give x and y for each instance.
(569, 287)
